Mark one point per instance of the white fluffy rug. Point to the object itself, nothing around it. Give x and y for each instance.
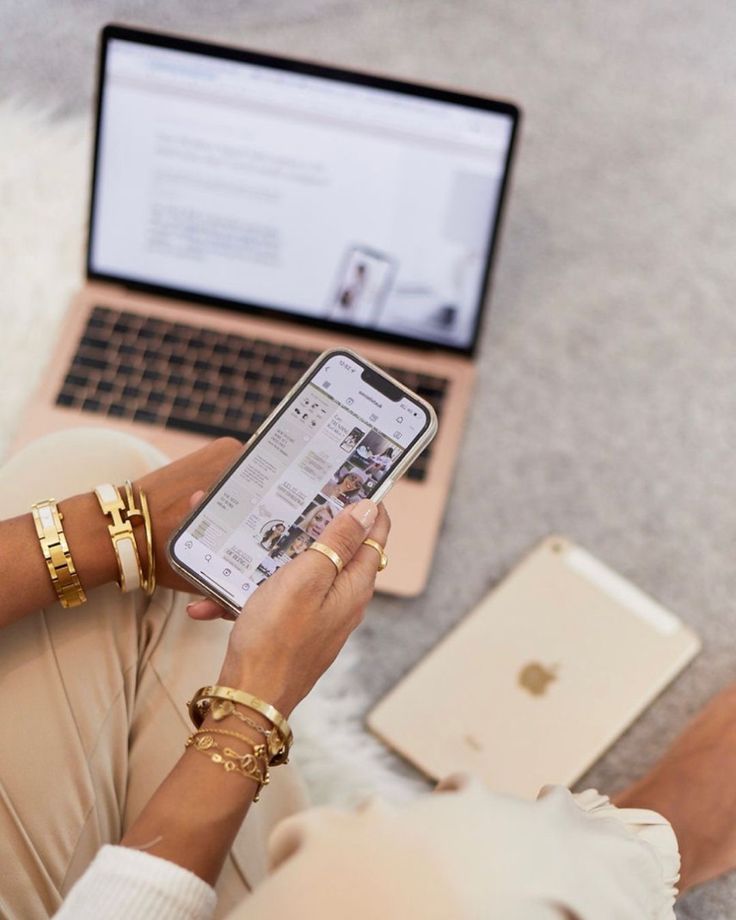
(44, 169)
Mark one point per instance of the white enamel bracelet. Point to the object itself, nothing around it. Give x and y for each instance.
(123, 539)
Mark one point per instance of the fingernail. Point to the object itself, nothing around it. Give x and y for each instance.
(365, 513)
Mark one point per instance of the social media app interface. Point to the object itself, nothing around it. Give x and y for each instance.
(333, 445)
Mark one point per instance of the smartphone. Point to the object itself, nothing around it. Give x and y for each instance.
(364, 281)
(346, 431)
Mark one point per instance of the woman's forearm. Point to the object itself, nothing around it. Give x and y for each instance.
(193, 817)
(195, 814)
(26, 581)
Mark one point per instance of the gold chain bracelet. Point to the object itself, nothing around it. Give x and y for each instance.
(259, 750)
(232, 761)
(221, 709)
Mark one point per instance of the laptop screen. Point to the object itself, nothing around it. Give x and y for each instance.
(265, 184)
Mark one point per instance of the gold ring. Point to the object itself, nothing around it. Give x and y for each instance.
(383, 561)
(331, 555)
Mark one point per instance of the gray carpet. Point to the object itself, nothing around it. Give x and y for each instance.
(605, 407)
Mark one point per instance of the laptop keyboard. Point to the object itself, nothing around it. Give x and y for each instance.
(205, 381)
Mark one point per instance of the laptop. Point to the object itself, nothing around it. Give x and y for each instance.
(540, 679)
(248, 212)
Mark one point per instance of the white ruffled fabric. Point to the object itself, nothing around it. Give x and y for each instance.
(650, 829)
(464, 853)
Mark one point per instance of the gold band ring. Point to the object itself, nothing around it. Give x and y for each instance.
(383, 560)
(331, 555)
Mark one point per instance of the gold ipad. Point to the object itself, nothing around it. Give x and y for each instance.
(540, 679)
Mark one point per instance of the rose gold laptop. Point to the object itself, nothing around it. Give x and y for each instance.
(248, 212)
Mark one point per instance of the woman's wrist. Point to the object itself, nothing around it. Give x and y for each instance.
(258, 681)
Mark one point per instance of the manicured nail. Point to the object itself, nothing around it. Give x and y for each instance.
(365, 513)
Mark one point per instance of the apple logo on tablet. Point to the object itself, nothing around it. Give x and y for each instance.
(535, 677)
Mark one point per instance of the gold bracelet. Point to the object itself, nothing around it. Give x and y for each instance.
(259, 750)
(200, 703)
(245, 764)
(149, 582)
(221, 709)
(122, 536)
(50, 531)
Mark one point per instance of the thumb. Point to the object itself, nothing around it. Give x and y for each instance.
(346, 533)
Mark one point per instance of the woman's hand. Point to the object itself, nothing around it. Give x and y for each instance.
(169, 492)
(295, 624)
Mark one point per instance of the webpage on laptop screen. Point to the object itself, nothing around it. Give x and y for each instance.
(299, 193)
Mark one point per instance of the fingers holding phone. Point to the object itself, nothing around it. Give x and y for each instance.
(293, 627)
(357, 580)
(352, 571)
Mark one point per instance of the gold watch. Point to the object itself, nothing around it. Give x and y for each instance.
(49, 528)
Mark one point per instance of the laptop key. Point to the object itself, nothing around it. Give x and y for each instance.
(145, 415)
(86, 361)
(76, 380)
(97, 320)
(94, 342)
(121, 325)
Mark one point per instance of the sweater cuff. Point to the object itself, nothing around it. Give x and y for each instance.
(122, 883)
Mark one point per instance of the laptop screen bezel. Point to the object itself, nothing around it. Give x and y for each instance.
(209, 49)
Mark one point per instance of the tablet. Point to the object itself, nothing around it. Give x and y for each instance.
(540, 679)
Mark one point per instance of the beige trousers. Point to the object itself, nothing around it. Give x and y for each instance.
(93, 703)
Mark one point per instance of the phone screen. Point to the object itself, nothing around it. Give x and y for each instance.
(331, 445)
(363, 283)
